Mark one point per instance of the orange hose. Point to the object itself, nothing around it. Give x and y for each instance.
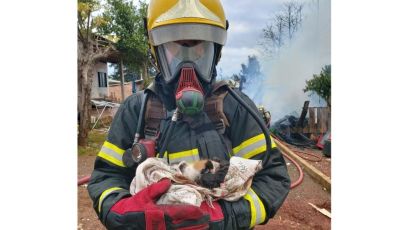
(300, 179)
(299, 153)
(83, 180)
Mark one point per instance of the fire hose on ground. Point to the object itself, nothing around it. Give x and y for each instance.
(86, 179)
(300, 179)
(300, 171)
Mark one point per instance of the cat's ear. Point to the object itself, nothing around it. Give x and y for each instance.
(182, 165)
(209, 165)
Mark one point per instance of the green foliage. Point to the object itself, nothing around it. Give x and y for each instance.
(126, 23)
(85, 17)
(120, 22)
(321, 84)
(99, 22)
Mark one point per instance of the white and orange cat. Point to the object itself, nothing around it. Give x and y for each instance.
(206, 173)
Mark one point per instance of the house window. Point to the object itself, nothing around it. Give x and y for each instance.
(102, 79)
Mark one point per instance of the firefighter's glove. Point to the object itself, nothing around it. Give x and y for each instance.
(215, 213)
(138, 153)
(140, 212)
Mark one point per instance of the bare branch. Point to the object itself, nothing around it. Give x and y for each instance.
(289, 20)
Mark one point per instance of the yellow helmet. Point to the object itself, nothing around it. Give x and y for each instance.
(176, 20)
(171, 20)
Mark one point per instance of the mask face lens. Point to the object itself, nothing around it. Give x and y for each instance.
(172, 54)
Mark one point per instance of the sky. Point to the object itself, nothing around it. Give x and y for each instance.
(280, 89)
(246, 21)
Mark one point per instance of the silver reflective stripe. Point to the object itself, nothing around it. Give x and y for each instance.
(191, 31)
(111, 153)
(187, 159)
(258, 208)
(249, 148)
(258, 213)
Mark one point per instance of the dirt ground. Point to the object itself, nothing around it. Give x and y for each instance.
(295, 213)
(87, 218)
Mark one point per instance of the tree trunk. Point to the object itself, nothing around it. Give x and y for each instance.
(88, 54)
(85, 83)
(122, 80)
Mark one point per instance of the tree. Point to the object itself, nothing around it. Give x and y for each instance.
(127, 24)
(98, 27)
(281, 28)
(321, 84)
(91, 48)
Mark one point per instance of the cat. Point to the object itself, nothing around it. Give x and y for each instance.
(206, 173)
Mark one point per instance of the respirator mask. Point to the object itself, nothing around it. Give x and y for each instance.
(188, 64)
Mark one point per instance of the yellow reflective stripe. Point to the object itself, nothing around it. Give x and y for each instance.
(187, 153)
(254, 152)
(258, 212)
(177, 155)
(253, 212)
(113, 147)
(104, 195)
(248, 142)
(111, 159)
(273, 143)
(112, 153)
(252, 146)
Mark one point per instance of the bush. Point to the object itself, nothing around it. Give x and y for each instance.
(321, 84)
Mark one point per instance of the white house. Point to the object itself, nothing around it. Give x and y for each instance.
(109, 89)
(99, 88)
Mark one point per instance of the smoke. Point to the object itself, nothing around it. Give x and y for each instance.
(286, 75)
(254, 79)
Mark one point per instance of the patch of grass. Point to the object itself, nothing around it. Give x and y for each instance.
(96, 137)
(95, 141)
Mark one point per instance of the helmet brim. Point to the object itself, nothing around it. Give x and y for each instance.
(188, 31)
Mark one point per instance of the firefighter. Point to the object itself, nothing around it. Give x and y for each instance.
(185, 115)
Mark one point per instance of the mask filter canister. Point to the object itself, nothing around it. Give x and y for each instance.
(189, 94)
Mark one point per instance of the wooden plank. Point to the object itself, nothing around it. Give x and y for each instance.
(312, 123)
(322, 119)
(321, 210)
(329, 120)
(309, 169)
(319, 120)
(303, 114)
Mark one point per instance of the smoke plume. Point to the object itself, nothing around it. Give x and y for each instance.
(286, 75)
